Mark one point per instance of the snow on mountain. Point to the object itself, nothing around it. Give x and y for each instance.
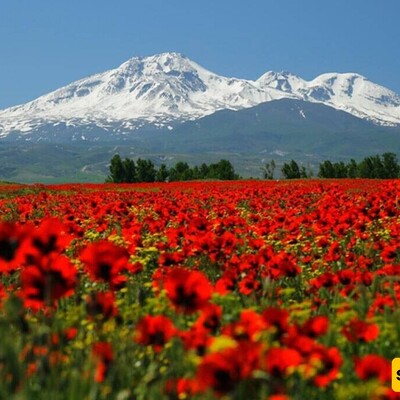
(357, 95)
(348, 92)
(170, 87)
(283, 81)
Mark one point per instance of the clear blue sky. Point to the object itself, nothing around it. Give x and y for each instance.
(45, 44)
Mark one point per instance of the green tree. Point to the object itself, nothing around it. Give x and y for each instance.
(268, 170)
(116, 170)
(145, 171)
(379, 170)
(291, 170)
(340, 169)
(224, 170)
(129, 170)
(204, 171)
(326, 170)
(181, 172)
(162, 174)
(303, 173)
(366, 168)
(371, 167)
(352, 169)
(196, 172)
(391, 166)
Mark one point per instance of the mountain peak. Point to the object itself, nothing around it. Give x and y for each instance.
(165, 60)
(166, 56)
(283, 81)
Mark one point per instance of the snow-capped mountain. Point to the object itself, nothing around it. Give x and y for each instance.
(348, 92)
(166, 88)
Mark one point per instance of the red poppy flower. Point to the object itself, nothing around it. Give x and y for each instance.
(180, 388)
(225, 284)
(389, 253)
(197, 339)
(170, 259)
(12, 254)
(210, 317)
(359, 330)
(249, 284)
(64, 336)
(101, 303)
(49, 238)
(373, 366)
(248, 327)
(334, 252)
(327, 280)
(278, 360)
(278, 397)
(346, 276)
(331, 361)
(222, 371)
(46, 283)
(316, 326)
(104, 354)
(304, 344)
(155, 331)
(189, 291)
(287, 266)
(277, 318)
(104, 261)
(282, 264)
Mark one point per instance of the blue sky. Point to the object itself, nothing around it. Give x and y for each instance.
(45, 44)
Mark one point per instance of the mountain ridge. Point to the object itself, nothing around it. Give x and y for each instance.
(169, 88)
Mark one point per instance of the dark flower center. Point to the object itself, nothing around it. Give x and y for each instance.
(157, 338)
(185, 299)
(104, 271)
(46, 247)
(8, 249)
(223, 381)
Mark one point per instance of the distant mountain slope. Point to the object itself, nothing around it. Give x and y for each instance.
(288, 126)
(168, 89)
(279, 130)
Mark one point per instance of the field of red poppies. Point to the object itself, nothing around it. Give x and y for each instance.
(203, 290)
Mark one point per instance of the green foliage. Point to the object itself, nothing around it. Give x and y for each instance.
(145, 171)
(162, 174)
(293, 171)
(391, 166)
(181, 172)
(116, 170)
(327, 169)
(122, 171)
(127, 171)
(352, 169)
(379, 167)
(223, 169)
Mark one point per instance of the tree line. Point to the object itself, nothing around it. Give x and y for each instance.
(143, 170)
(383, 166)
